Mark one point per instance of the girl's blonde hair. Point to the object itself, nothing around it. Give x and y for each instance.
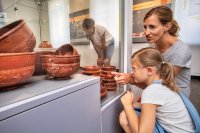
(152, 57)
(165, 15)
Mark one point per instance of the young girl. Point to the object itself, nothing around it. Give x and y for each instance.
(160, 101)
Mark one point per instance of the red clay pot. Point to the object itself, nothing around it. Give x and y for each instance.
(60, 70)
(110, 84)
(66, 49)
(108, 68)
(108, 80)
(103, 91)
(91, 68)
(16, 68)
(45, 44)
(38, 67)
(60, 59)
(16, 37)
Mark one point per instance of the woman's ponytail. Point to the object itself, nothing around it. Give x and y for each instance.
(174, 28)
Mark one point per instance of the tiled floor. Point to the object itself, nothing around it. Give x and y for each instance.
(195, 92)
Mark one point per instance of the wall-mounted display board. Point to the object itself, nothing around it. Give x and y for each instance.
(140, 8)
(77, 35)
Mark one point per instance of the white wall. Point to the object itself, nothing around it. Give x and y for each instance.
(28, 10)
(187, 14)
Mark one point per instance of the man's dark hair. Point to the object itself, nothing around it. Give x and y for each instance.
(87, 23)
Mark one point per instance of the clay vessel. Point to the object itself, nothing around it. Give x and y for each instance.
(60, 66)
(60, 70)
(16, 37)
(38, 67)
(66, 49)
(108, 80)
(103, 91)
(60, 59)
(108, 68)
(91, 68)
(110, 84)
(15, 68)
(45, 44)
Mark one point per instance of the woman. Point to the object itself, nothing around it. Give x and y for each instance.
(162, 30)
(160, 101)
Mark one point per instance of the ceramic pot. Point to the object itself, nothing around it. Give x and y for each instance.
(91, 68)
(60, 70)
(60, 59)
(66, 49)
(108, 80)
(45, 44)
(108, 68)
(16, 37)
(15, 68)
(38, 67)
(110, 85)
(103, 91)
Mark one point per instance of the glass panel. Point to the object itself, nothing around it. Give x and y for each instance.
(60, 22)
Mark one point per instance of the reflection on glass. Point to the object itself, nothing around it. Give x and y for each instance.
(60, 22)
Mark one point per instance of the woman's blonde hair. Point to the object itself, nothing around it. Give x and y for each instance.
(152, 57)
(165, 15)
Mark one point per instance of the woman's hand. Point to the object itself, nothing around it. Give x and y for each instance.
(122, 78)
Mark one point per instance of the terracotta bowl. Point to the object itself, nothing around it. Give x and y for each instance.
(110, 84)
(103, 91)
(45, 44)
(60, 70)
(107, 75)
(16, 68)
(16, 37)
(108, 68)
(60, 59)
(66, 49)
(39, 52)
(108, 80)
(91, 68)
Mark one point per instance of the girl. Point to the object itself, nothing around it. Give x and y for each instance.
(160, 100)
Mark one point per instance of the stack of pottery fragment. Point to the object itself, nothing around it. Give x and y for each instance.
(107, 79)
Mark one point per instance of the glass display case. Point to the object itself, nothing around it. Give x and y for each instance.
(60, 22)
